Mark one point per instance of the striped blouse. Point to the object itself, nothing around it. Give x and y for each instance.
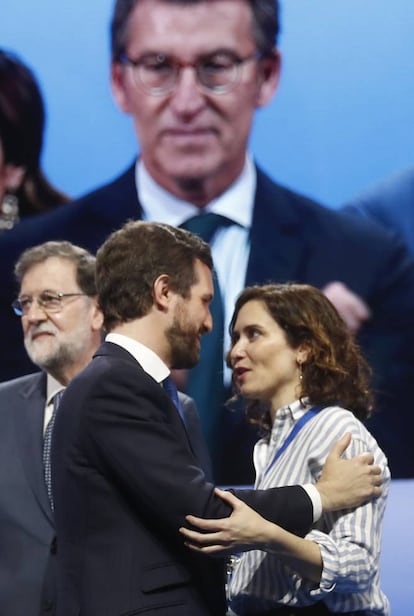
(350, 541)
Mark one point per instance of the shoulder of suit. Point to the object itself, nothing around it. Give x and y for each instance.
(115, 186)
(111, 359)
(66, 219)
(281, 201)
(279, 194)
(23, 382)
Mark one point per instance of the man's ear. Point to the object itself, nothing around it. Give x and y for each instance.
(270, 68)
(161, 292)
(119, 86)
(97, 316)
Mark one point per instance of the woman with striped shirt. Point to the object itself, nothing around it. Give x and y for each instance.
(306, 384)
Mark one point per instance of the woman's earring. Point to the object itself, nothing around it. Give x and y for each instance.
(9, 212)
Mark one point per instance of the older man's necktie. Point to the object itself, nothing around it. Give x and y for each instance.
(47, 446)
(205, 381)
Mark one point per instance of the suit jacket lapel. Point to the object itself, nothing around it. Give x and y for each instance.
(276, 250)
(108, 348)
(28, 415)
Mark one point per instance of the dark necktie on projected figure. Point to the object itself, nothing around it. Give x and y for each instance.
(205, 381)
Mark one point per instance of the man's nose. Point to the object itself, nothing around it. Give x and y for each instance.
(208, 323)
(187, 97)
(36, 312)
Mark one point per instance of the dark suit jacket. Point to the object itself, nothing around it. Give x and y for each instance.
(292, 239)
(195, 435)
(124, 476)
(27, 532)
(26, 523)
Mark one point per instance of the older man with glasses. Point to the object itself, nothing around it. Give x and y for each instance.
(62, 327)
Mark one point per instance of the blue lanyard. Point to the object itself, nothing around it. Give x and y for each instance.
(296, 428)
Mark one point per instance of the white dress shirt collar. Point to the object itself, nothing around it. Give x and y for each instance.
(52, 388)
(295, 409)
(150, 362)
(236, 203)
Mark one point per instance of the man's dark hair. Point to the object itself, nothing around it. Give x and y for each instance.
(265, 26)
(132, 258)
(82, 259)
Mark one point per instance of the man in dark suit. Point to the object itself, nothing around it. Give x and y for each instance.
(61, 325)
(124, 473)
(191, 76)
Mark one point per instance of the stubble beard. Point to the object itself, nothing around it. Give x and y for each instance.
(184, 345)
(193, 189)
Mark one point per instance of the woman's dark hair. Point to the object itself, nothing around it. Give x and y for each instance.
(335, 371)
(22, 121)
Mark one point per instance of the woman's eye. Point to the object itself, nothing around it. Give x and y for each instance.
(253, 334)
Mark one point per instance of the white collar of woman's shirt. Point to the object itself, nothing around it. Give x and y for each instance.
(288, 413)
(236, 203)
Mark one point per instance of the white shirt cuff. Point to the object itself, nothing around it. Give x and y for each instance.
(315, 497)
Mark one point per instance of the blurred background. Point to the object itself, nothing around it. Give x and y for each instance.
(341, 120)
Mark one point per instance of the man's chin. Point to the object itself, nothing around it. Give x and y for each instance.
(41, 357)
(191, 171)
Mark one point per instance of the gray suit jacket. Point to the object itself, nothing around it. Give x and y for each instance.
(27, 534)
